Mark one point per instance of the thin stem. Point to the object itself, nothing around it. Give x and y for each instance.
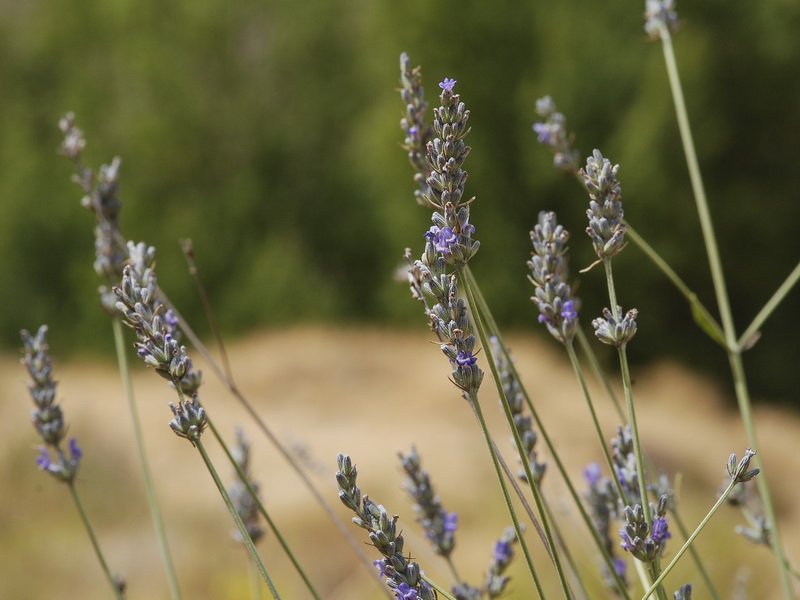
(246, 481)
(691, 539)
(601, 547)
(769, 308)
(480, 326)
(439, 589)
(507, 497)
(723, 301)
(582, 381)
(149, 486)
(230, 384)
(115, 585)
(700, 313)
(255, 582)
(236, 519)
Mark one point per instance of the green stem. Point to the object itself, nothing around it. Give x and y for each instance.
(481, 328)
(701, 315)
(587, 396)
(236, 518)
(691, 539)
(439, 589)
(601, 547)
(769, 308)
(149, 486)
(473, 399)
(246, 481)
(115, 585)
(230, 384)
(723, 301)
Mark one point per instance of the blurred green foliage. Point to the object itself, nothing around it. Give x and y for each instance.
(267, 131)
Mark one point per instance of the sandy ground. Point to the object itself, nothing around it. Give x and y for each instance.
(370, 394)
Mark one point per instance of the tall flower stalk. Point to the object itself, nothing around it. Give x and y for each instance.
(48, 419)
(662, 21)
(101, 197)
(449, 246)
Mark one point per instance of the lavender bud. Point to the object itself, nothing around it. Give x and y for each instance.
(605, 213)
(658, 14)
(609, 331)
(740, 471)
(190, 419)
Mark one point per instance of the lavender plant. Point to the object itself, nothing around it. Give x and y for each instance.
(48, 419)
(629, 514)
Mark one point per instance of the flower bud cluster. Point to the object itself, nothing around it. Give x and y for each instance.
(741, 472)
(645, 542)
(605, 209)
(156, 329)
(439, 525)
(604, 505)
(553, 133)
(47, 416)
(684, 593)
(418, 132)
(102, 198)
(403, 576)
(658, 14)
(516, 403)
(616, 333)
(242, 499)
(495, 582)
(190, 419)
(549, 273)
(451, 233)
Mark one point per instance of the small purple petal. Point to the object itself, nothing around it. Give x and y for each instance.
(465, 358)
(405, 592)
(74, 450)
(448, 84)
(43, 460)
(592, 474)
(502, 552)
(450, 522)
(543, 131)
(660, 530)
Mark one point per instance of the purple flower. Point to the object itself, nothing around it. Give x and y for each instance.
(543, 318)
(543, 131)
(627, 543)
(74, 450)
(43, 460)
(171, 320)
(381, 566)
(405, 592)
(568, 311)
(660, 532)
(502, 552)
(619, 568)
(442, 238)
(450, 522)
(465, 358)
(592, 474)
(448, 84)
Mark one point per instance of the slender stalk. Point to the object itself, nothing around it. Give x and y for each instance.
(149, 486)
(507, 498)
(245, 480)
(255, 582)
(769, 308)
(481, 328)
(115, 585)
(701, 315)
(234, 390)
(628, 389)
(236, 519)
(723, 301)
(582, 381)
(439, 589)
(691, 539)
(486, 312)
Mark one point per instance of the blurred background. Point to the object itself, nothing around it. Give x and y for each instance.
(267, 132)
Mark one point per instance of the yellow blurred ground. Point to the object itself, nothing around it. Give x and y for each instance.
(368, 393)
